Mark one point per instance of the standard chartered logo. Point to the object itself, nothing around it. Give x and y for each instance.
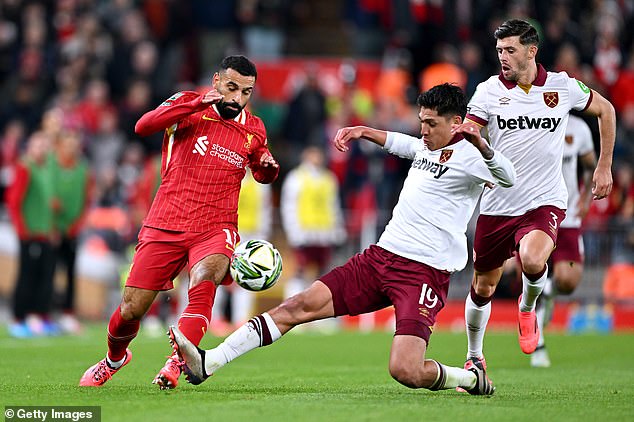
(225, 154)
(200, 147)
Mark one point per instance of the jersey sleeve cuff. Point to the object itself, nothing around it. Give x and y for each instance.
(477, 120)
(389, 141)
(589, 101)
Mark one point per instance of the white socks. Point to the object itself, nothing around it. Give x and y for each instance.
(117, 364)
(476, 319)
(258, 331)
(531, 291)
(458, 377)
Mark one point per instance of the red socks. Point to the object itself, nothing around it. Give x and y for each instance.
(120, 334)
(193, 322)
(195, 318)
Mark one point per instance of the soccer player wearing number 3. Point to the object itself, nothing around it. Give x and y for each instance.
(409, 267)
(567, 258)
(525, 111)
(209, 140)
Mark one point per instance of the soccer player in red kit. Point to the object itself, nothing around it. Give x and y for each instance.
(209, 140)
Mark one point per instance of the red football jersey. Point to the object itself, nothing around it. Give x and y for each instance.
(203, 163)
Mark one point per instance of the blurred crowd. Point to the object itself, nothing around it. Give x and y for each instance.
(88, 69)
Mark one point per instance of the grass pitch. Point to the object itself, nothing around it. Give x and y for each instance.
(341, 377)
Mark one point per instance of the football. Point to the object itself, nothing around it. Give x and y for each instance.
(256, 265)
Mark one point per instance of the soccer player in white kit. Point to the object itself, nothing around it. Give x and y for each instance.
(567, 258)
(525, 111)
(409, 267)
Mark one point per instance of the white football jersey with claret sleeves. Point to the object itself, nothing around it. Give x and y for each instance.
(528, 125)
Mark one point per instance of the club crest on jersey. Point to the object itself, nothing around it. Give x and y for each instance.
(569, 139)
(551, 99)
(247, 144)
(445, 155)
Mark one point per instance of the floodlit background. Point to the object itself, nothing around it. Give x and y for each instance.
(93, 67)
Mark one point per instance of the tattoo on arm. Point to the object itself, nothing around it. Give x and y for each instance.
(487, 152)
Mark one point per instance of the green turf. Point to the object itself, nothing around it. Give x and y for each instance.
(343, 377)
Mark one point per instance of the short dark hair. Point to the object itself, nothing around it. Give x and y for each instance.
(240, 64)
(447, 99)
(518, 27)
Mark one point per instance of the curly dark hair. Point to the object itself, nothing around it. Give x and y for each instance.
(446, 99)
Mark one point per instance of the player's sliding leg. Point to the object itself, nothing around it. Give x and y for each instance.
(122, 329)
(201, 364)
(310, 305)
(409, 367)
(473, 380)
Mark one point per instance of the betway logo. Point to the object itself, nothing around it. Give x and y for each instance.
(426, 165)
(525, 122)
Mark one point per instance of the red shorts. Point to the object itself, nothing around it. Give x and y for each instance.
(161, 255)
(569, 246)
(497, 237)
(378, 278)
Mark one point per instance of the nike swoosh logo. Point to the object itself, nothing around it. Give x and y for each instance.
(210, 118)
